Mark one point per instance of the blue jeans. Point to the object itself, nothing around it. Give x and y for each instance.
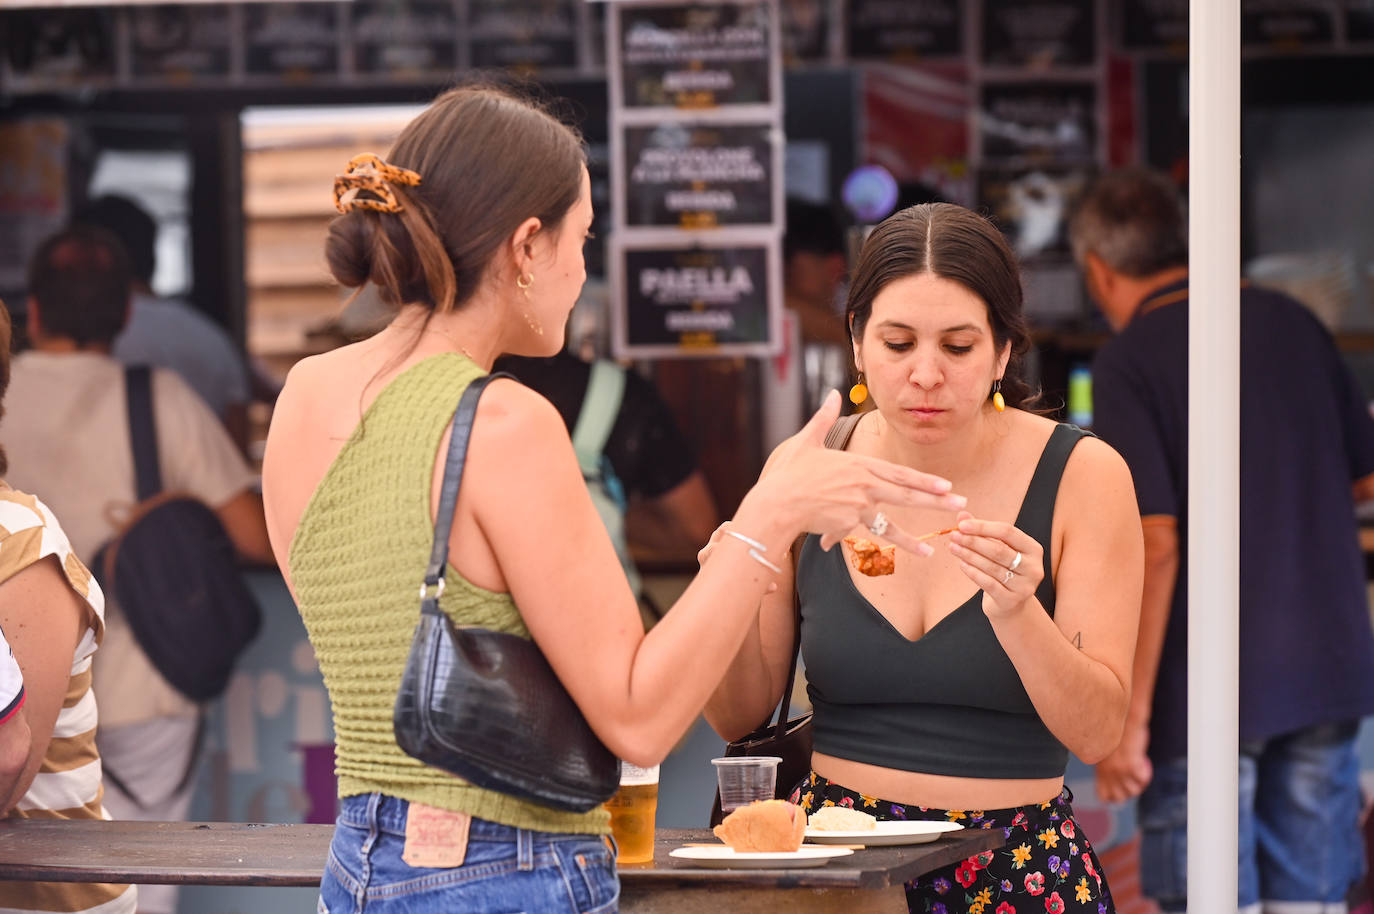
(1299, 826)
(507, 870)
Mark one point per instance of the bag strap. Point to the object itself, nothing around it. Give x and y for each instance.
(138, 390)
(836, 439)
(600, 405)
(448, 492)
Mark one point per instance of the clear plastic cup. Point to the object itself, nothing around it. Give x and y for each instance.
(746, 778)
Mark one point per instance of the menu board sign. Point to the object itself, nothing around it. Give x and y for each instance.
(701, 297)
(523, 34)
(292, 41)
(180, 44)
(903, 29)
(1150, 25)
(1039, 34)
(404, 38)
(1050, 121)
(1287, 24)
(806, 26)
(51, 47)
(695, 56)
(693, 176)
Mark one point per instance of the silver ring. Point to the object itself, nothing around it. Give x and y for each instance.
(1015, 563)
(879, 525)
(1006, 579)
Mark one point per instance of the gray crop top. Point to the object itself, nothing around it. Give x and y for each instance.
(950, 702)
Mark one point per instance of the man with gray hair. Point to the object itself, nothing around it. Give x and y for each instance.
(1306, 648)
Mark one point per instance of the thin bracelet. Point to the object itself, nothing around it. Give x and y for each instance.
(756, 550)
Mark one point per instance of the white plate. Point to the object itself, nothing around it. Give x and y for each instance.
(885, 833)
(723, 856)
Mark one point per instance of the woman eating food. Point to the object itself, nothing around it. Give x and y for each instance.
(953, 687)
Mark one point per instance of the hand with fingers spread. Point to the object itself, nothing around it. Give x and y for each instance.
(1005, 562)
(831, 492)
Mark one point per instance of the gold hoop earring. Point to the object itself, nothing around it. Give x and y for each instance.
(999, 402)
(523, 283)
(859, 392)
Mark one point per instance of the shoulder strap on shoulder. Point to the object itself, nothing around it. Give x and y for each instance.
(600, 405)
(1037, 511)
(454, 461)
(138, 390)
(843, 429)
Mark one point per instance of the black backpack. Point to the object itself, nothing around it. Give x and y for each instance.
(173, 571)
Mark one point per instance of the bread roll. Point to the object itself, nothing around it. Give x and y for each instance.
(765, 826)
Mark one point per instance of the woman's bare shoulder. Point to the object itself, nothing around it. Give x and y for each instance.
(1098, 474)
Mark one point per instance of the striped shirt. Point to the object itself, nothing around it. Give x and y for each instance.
(11, 682)
(67, 785)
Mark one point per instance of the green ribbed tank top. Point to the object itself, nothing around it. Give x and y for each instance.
(357, 561)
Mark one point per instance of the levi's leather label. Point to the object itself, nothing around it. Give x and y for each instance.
(435, 837)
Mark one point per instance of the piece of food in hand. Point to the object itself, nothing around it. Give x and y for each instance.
(870, 558)
(840, 818)
(764, 826)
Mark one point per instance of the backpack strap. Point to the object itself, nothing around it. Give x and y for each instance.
(600, 405)
(138, 390)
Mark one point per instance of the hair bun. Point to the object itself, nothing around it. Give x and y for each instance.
(348, 248)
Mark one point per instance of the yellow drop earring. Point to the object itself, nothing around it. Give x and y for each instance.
(859, 392)
(999, 402)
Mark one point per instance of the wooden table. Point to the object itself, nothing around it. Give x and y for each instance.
(223, 853)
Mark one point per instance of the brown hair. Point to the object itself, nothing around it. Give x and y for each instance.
(953, 243)
(80, 278)
(6, 339)
(488, 160)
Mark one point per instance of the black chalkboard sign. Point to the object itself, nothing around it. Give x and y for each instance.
(695, 176)
(697, 298)
(1287, 25)
(527, 35)
(1154, 25)
(695, 56)
(1041, 121)
(1039, 34)
(913, 29)
(294, 42)
(180, 44)
(404, 38)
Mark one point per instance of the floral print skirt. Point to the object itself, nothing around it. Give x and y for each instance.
(1047, 865)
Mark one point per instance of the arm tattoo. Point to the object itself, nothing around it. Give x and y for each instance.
(1078, 640)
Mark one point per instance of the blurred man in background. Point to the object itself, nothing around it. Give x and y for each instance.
(67, 434)
(166, 332)
(1306, 649)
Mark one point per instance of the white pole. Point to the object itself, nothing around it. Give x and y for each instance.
(1213, 451)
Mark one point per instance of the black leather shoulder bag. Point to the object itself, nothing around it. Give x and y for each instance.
(486, 705)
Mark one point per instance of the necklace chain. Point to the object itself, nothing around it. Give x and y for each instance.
(424, 329)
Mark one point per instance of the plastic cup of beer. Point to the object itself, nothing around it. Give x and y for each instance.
(746, 778)
(633, 809)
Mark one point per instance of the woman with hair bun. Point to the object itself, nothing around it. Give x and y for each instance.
(931, 703)
(472, 228)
